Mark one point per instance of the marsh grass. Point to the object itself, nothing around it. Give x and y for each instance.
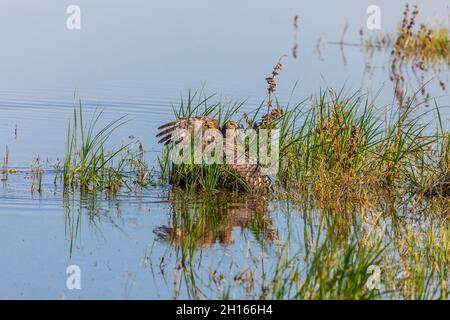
(332, 142)
(346, 142)
(89, 167)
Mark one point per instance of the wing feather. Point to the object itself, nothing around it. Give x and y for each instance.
(167, 130)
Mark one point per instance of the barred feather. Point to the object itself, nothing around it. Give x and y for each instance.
(249, 171)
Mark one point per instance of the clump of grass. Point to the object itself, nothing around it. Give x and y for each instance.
(345, 141)
(425, 47)
(339, 140)
(89, 167)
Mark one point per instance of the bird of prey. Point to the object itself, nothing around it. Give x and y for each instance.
(248, 170)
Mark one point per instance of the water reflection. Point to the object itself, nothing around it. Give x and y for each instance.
(212, 219)
(94, 211)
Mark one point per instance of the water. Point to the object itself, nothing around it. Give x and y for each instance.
(137, 60)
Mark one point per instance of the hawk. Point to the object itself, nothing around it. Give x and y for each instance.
(248, 170)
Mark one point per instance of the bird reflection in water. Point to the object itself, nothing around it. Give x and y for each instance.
(210, 220)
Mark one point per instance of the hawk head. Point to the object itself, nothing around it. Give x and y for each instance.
(230, 125)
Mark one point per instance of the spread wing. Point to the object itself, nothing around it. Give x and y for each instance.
(168, 132)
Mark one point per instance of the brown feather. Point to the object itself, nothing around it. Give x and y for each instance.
(170, 124)
(165, 132)
(249, 171)
(166, 139)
